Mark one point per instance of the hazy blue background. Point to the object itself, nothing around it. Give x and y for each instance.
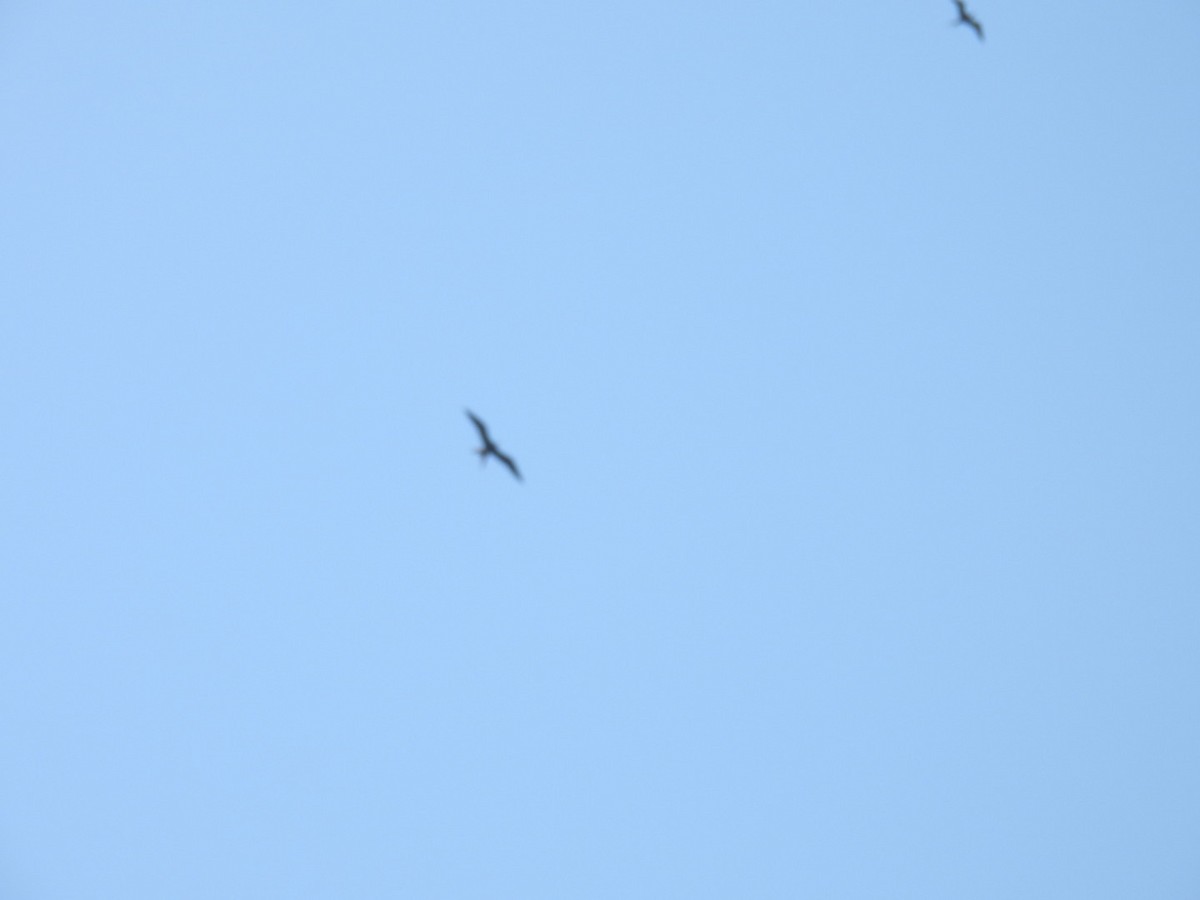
(854, 367)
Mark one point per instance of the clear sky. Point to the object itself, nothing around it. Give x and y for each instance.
(853, 366)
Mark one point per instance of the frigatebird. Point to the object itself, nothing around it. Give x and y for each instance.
(965, 18)
(489, 448)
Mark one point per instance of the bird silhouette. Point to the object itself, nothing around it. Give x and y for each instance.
(965, 18)
(490, 449)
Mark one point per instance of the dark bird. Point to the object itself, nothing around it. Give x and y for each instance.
(965, 18)
(490, 449)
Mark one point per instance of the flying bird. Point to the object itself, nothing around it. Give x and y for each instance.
(489, 448)
(965, 18)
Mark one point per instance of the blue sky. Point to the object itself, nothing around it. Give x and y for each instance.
(852, 365)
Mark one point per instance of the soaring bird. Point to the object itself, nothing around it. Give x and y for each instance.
(489, 448)
(965, 18)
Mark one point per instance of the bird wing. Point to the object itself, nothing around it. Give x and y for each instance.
(512, 466)
(965, 18)
(479, 424)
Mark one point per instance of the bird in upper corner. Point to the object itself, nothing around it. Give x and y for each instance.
(490, 449)
(965, 18)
